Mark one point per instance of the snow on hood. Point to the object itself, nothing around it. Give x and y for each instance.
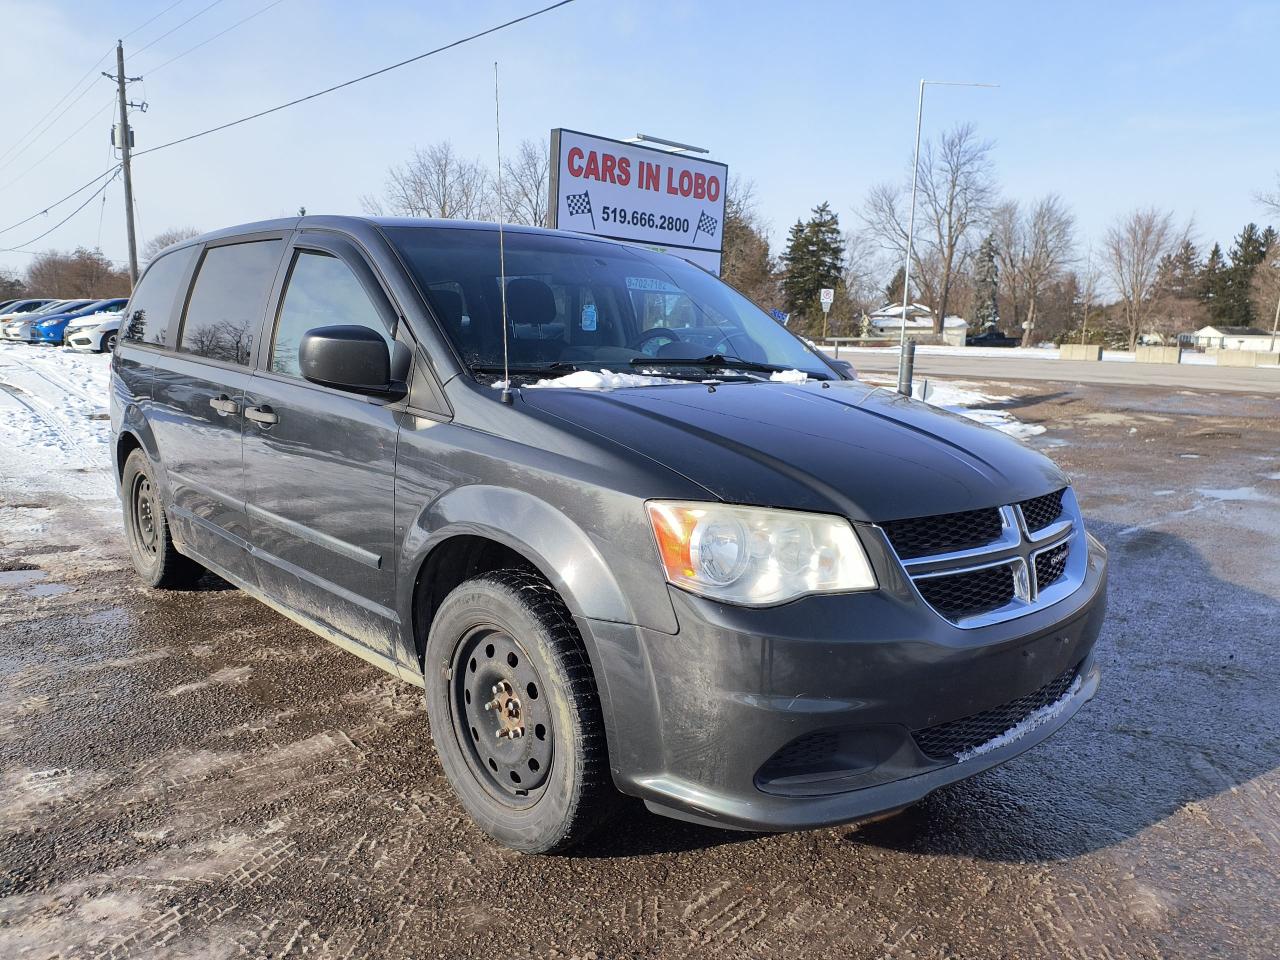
(789, 376)
(606, 380)
(591, 380)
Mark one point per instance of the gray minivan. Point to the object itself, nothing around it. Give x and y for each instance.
(630, 534)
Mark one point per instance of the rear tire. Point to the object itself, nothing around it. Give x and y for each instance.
(532, 769)
(151, 548)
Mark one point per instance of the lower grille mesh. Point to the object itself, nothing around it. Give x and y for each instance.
(944, 533)
(945, 740)
(1039, 512)
(1051, 565)
(963, 594)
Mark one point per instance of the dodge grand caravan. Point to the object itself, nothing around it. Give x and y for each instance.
(671, 552)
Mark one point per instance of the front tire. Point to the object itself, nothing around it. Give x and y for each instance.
(151, 548)
(515, 715)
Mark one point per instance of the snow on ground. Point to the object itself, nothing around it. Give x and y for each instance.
(973, 404)
(1027, 353)
(55, 442)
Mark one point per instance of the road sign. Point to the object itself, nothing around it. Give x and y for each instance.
(826, 296)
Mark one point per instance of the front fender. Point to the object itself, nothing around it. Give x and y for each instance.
(562, 551)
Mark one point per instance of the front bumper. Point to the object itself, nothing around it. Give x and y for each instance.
(695, 719)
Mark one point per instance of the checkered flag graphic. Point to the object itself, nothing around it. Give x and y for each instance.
(578, 204)
(707, 225)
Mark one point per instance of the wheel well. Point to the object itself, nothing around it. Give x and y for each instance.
(452, 562)
(125, 446)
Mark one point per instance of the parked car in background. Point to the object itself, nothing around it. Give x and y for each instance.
(51, 327)
(667, 550)
(95, 333)
(5, 305)
(24, 327)
(18, 308)
(991, 337)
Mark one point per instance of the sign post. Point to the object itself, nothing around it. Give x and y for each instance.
(826, 297)
(671, 202)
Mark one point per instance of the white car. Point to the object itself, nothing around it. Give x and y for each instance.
(95, 333)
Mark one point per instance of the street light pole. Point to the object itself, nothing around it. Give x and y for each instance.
(904, 363)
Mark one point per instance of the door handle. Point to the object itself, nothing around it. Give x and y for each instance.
(223, 404)
(263, 415)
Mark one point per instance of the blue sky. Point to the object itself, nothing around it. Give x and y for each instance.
(1112, 105)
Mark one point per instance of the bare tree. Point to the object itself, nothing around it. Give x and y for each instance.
(167, 238)
(436, 182)
(525, 182)
(1272, 200)
(81, 273)
(1133, 248)
(956, 191)
(1266, 291)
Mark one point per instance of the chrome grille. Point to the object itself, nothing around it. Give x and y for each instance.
(973, 571)
(922, 536)
(944, 741)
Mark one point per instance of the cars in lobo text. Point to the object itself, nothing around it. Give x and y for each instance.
(664, 550)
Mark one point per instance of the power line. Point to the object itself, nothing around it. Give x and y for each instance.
(355, 80)
(22, 141)
(58, 203)
(202, 10)
(147, 23)
(91, 198)
(93, 116)
(112, 171)
(75, 86)
(220, 33)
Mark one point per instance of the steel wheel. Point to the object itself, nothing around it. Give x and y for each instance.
(501, 717)
(145, 531)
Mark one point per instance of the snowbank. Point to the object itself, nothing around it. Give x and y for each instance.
(971, 404)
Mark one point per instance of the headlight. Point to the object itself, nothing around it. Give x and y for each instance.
(755, 555)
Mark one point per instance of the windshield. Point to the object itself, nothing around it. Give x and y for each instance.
(584, 304)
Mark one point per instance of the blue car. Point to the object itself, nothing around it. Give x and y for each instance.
(48, 328)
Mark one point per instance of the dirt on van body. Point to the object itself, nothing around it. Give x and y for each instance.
(191, 775)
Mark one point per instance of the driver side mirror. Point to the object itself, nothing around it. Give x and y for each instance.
(351, 358)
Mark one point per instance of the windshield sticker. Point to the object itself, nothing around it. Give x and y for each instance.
(589, 317)
(652, 283)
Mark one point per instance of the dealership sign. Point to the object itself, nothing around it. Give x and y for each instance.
(668, 201)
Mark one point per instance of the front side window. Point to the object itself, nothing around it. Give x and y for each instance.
(226, 305)
(322, 292)
(574, 303)
(151, 306)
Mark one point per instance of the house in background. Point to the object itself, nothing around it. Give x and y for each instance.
(1233, 338)
(886, 324)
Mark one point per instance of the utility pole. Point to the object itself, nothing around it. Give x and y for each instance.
(125, 163)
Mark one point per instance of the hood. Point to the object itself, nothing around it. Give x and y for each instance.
(847, 448)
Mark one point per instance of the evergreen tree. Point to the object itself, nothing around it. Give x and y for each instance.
(1213, 282)
(1246, 253)
(814, 259)
(986, 283)
(893, 293)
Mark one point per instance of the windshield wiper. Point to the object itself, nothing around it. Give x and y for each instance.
(555, 366)
(715, 360)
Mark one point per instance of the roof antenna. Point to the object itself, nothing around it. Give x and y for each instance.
(502, 251)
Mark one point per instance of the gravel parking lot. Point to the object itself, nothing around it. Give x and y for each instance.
(191, 775)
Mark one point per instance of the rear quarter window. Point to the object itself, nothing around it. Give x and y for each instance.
(225, 310)
(151, 306)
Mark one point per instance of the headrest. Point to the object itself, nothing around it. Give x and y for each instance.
(530, 301)
(448, 307)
